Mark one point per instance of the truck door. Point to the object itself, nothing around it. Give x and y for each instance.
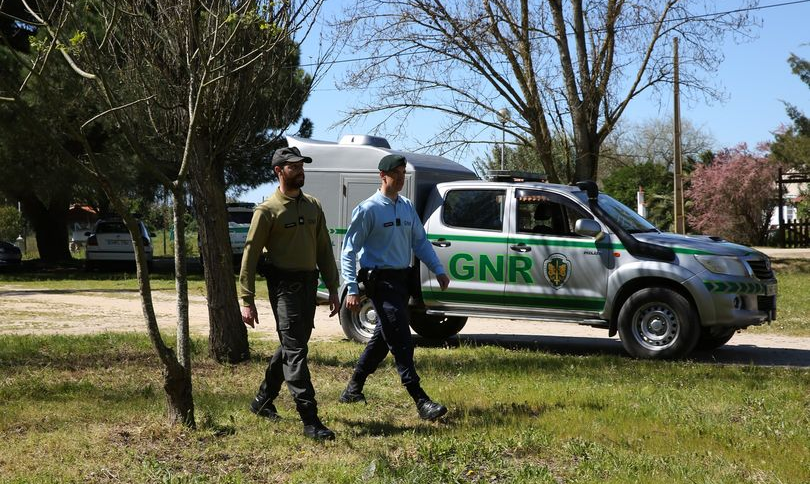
(555, 271)
(468, 235)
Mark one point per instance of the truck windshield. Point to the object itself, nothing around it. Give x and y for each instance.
(627, 219)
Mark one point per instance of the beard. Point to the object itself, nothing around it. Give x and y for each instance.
(294, 182)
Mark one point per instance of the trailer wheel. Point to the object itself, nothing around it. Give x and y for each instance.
(436, 328)
(714, 337)
(658, 323)
(359, 326)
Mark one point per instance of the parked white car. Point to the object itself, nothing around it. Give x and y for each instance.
(239, 216)
(110, 242)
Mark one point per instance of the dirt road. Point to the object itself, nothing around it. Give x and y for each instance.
(45, 311)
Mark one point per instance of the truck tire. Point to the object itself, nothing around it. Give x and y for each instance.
(436, 328)
(714, 337)
(658, 323)
(359, 326)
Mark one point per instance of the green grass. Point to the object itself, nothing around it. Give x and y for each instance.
(90, 409)
(162, 239)
(73, 276)
(793, 303)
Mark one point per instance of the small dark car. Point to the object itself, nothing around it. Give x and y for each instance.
(10, 254)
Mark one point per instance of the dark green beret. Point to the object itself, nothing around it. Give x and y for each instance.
(389, 162)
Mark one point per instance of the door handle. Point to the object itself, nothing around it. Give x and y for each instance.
(441, 243)
(521, 248)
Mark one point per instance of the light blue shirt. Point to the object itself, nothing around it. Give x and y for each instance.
(380, 242)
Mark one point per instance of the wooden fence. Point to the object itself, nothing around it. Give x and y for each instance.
(797, 233)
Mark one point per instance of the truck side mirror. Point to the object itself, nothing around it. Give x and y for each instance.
(589, 228)
(87, 234)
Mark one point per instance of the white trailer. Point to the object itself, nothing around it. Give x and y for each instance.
(344, 174)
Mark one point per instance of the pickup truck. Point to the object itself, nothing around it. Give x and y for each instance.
(517, 247)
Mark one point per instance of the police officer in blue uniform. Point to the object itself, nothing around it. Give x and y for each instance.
(384, 231)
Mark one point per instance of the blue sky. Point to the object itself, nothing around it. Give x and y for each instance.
(754, 75)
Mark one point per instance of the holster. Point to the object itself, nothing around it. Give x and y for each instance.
(263, 267)
(367, 281)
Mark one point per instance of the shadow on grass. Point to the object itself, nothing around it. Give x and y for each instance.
(63, 391)
(585, 346)
(364, 428)
(36, 270)
(755, 355)
(83, 352)
(564, 345)
(504, 411)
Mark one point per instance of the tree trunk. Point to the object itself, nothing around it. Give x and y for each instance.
(179, 399)
(181, 279)
(177, 378)
(227, 335)
(50, 225)
(587, 162)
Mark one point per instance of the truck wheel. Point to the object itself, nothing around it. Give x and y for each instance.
(714, 337)
(436, 328)
(658, 323)
(359, 326)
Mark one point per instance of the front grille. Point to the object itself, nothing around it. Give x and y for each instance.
(761, 268)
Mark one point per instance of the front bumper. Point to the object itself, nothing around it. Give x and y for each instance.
(739, 301)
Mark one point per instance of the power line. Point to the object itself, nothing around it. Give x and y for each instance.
(403, 52)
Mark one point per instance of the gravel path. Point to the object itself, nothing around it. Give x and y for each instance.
(44, 311)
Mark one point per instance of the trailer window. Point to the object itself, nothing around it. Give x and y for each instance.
(474, 209)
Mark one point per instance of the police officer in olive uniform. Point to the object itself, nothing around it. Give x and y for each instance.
(292, 227)
(384, 231)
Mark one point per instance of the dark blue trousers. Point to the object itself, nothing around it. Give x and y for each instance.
(392, 332)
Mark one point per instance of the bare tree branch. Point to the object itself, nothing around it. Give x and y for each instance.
(568, 69)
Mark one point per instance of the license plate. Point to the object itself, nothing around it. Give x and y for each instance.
(117, 242)
(770, 290)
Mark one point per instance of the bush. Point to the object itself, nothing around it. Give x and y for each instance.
(11, 223)
(734, 196)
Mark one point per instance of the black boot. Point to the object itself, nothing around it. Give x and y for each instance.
(430, 410)
(263, 407)
(313, 427)
(354, 390)
(427, 408)
(318, 431)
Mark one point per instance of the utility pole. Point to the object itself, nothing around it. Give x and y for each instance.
(680, 226)
(504, 116)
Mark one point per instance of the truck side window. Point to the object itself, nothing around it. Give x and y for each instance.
(474, 209)
(547, 214)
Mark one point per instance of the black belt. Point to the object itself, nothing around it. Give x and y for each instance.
(386, 273)
(277, 274)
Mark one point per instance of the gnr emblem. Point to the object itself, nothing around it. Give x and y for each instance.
(557, 269)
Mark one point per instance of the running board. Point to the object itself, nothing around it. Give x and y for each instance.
(596, 323)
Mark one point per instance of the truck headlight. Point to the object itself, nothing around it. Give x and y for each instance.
(730, 266)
